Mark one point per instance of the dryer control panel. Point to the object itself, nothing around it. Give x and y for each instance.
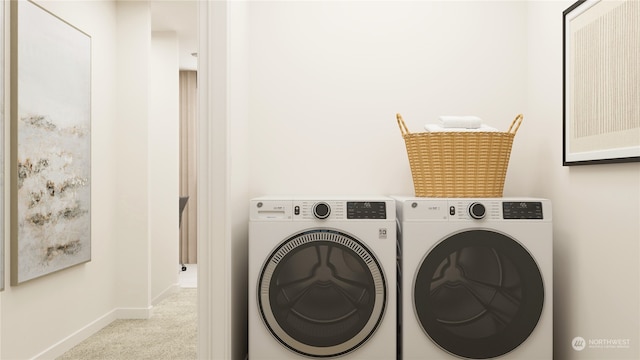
(461, 209)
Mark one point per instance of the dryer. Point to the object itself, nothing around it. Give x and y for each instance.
(476, 278)
(322, 277)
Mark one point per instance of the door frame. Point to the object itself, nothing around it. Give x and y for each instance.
(214, 250)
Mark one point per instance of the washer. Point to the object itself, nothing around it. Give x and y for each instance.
(476, 278)
(322, 277)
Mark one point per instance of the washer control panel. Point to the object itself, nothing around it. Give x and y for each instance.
(377, 208)
(355, 210)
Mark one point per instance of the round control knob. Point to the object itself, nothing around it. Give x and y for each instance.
(477, 210)
(321, 210)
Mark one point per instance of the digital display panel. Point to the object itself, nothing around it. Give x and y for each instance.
(366, 210)
(522, 210)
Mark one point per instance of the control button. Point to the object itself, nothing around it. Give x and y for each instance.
(452, 210)
(296, 210)
(477, 210)
(321, 210)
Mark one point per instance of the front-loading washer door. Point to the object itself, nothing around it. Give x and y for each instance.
(322, 293)
(478, 294)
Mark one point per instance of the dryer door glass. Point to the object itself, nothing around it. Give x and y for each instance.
(478, 294)
(322, 293)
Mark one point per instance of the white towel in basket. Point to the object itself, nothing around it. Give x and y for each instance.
(466, 122)
(439, 128)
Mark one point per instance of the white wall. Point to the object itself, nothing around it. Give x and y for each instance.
(133, 54)
(327, 79)
(164, 131)
(36, 315)
(596, 210)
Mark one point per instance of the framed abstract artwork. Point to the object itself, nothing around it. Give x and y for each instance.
(601, 82)
(51, 143)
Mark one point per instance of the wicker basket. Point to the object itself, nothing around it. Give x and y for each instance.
(459, 164)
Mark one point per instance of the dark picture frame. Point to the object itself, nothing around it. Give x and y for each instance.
(601, 95)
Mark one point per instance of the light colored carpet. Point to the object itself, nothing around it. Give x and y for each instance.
(170, 333)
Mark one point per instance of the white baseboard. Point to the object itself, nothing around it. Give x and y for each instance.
(168, 291)
(134, 313)
(93, 327)
(77, 337)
